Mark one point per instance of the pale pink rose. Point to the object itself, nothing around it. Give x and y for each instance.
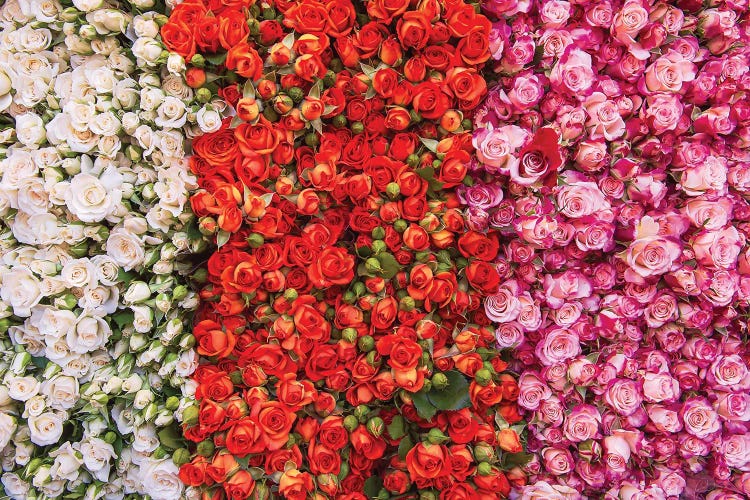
(699, 418)
(563, 234)
(663, 112)
(629, 491)
(721, 494)
(623, 396)
(670, 337)
(629, 68)
(592, 473)
(722, 288)
(483, 196)
(647, 190)
(591, 154)
(616, 453)
(661, 310)
(496, 148)
(582, 372)
(709, 215)
(532, 391)
(530, 317)
(658, 387)
(650, 254)
(739, 178)
(734, 406)
(664, 419)
(569, 285)
(571, 123)
(580, 198)
(684, 281)
(687, 46)
(691, 446)
(503, 306)
(582, 423)
(556, 376)
(554, 42)
(718, 248)
(567, 314)
(604, 117)
(557, 461)
(542, 490)
(558, 346)
(604, 276)
(536, 230)
(736, 450)
(599, 14)
(509, 335)
(670, 481)
(627, 23)
(573, 72)
(555, 13)
(667, 74)
(715, 121)
(551, 411)
(526, 92)
(596, 235)
(728, 371)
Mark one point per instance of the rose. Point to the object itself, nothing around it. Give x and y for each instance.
(294, 484)
(496, 147)
(427, 461)
(89, 333)
(718, 248)
(239, 486)
(334, 266)
(573, 72)
(557, 346)
(538, 158)
(623, 396)
(21, 290)
(557, 461)
(160, 479)
(582, 423)
(699, 417)
(736, 450)
(532, 391)
(46, 429)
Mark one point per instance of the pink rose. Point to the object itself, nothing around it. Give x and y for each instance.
(569, 285)
(604, 117)
(599, 14)
(555, 41)
(496, 147)
(728, 371)
(532, 391)
(710, 175)
(724, 495)
(663, 112)
(658, 387)
(582, 423)
(667, 74)
(509, 335)
(567, 315)
(734, 406)
(623, 396)
(709, 215)
(670, 481)
(594, 235)
(661, 310)
(551, 412)
(557, 346)
(736, 450)
(579, 198)
(664, 419)
(715, 121)
(650, 254)
(555, 13)
(573, 73)
(616, 454)
(557, 461)
(519, 54)
(718, 248)
(627, 23)
(591, 154)
(530, 317)
(582, 372)
(483, 196)
(526, 92)
(503, 306)
(700, 418)
(542, 490)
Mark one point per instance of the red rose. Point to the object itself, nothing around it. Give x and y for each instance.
(384, 313)
(239, 486)
(459, 491)
(323, 361)
(311, 324)
(413, 30)
(276, 460)
(233, 29)
(430, 100)
(294, 484)
(245, 61)
(322, 459)
(396, 482)
(473, 244)
(427, 461)
(416, 238)
(207, 34)
(474, 47)
(483, 277)
(244, 437)
(369, 37)
(494, 483)
(307, 17)
(276, 421)
(341, 17)
(178, 38)
(367, 445)
(386, 10)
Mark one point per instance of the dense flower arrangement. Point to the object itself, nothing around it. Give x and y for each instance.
(94, 298)
(613, 168)
(347, 352)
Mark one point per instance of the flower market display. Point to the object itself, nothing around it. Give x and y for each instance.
(374, 249)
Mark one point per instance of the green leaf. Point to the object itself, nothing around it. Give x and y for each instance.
(396, 429)
(373, 486)
(288, 41)
(430, 144)
(248, 90)
(455, 396)
(424, 406)
(511, 460)
(404, 446)
(170, 438)
(389, 264)
(217, 59)
(222, 238)
(123, 318)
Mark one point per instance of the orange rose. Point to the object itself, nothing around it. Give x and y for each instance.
(309, 67)
(366, 444)
(233, 29)
(416, 238)
(247, 109)
(312, 108)
(276, 421)
(244, 437)
(334, 266)
(397, 118)
(308, 202)
(509, 441)
(245, 61)
(239, 486)
(294, 484)
(194, 472)
(386, 10)
(414, 30)
(256, 139)
(212, 340)
(427, 461)
(221, 467)
(390, 51)
(420, 279)
(323, 460)
(178, 38)
(384, 313)
(311, 324)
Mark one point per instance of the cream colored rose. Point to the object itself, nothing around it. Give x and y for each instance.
(21, 290)
(23, 388)
(97, 454)
(209, 120)
(160, 480)
(89, 200)
(88, 334)
(46, 428)
(32, 197)
(125, 249)
(67, 463)
(61, 391)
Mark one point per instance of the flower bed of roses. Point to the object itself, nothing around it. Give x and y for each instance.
(613, 169)
(95, 304)
(346, 352)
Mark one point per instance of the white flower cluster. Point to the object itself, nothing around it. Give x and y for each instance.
(96, 240)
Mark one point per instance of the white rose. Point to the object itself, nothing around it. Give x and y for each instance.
(132, 384)
(15, 487)
(21, 290)
(76, 365)
(5, 86)
(151, 98)
(105, 298)
(105, 124)
(67, 464)
(97, 454)
(32, 197)
(46, 11)
(125, 249)
(7, 429)
(142, 398)
(88, 334)
(29, 39)
(77, 45)
(55, 323)
(34, 406)
(45, 484)
(19, 165)
(161, 481)
(126, 94)
(89, 200)
(209, 120)
(79, 273)
(30, 129)
(187, 363)
(87, 5)
(61, 391)
(41, 229)
(145, 27)
(46, 428)
(147, 139)
(108, 20)
(107, 271)
(105, 46)
(143, 319)
(130, 122)
(23, 388)
(144, 439)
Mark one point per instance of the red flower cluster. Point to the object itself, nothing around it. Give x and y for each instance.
(349, 355)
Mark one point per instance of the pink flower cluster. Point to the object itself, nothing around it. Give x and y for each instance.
(613, 162)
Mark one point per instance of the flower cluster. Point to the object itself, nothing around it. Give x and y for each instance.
(96, 231)
(347, 352)
(612, 166)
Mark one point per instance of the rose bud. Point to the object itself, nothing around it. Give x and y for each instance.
(375, 426)
(247, 109)
(312, 108)
(195, 77)
(451, 120)
(280, 54)
(283, 104)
